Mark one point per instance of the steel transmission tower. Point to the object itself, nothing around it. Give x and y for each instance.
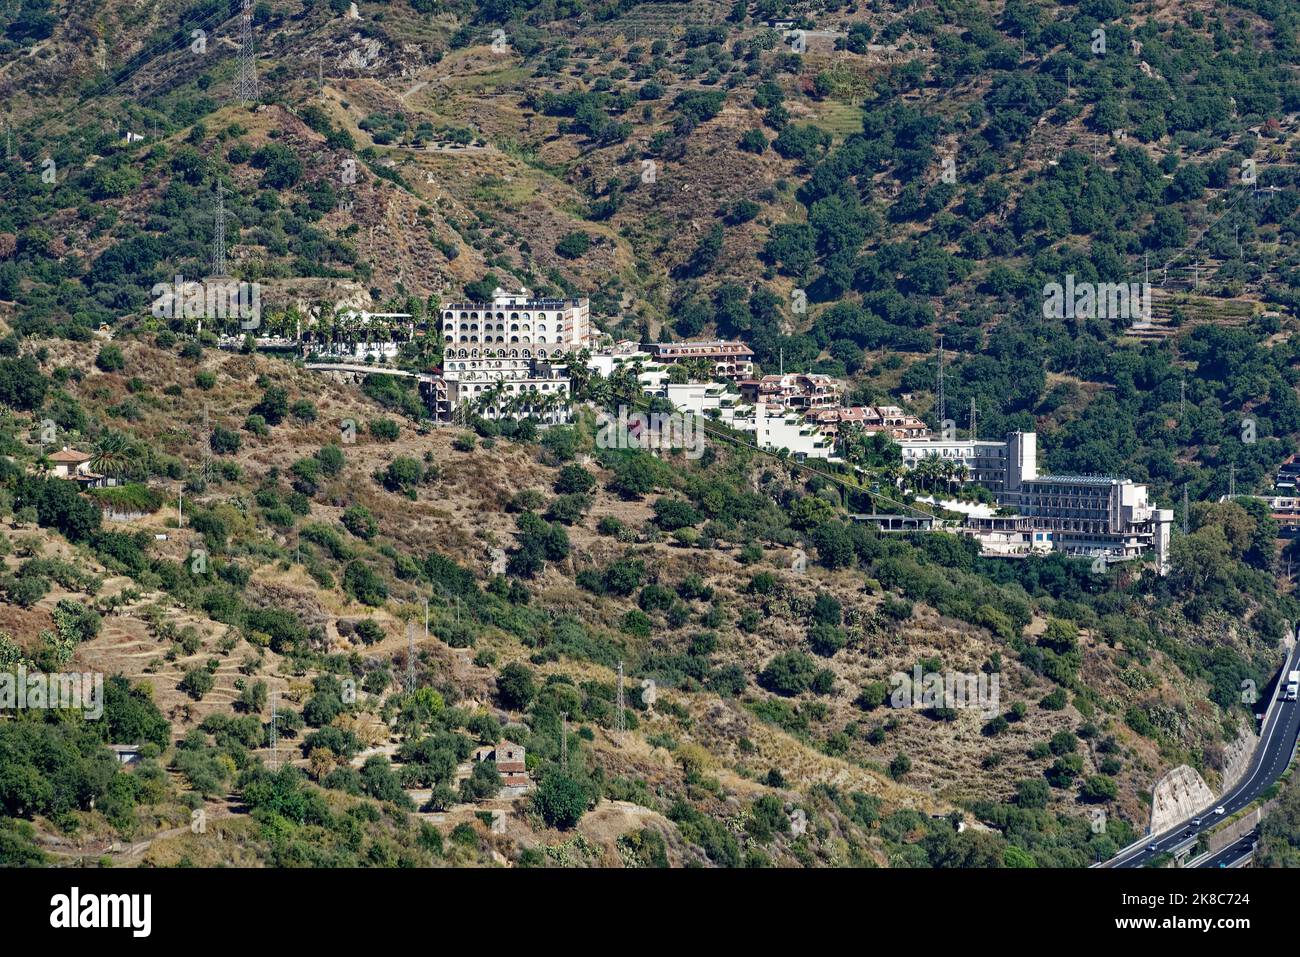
(246, 84)
(219, 234)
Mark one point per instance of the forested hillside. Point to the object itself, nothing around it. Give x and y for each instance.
(846, 187)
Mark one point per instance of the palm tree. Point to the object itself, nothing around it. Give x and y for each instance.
(490, 401)
(113, 455)
(700, 369)
(960, 472)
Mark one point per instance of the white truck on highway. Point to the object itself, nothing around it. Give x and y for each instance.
(1292, 686)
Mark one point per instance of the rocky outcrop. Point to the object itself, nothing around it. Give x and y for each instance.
(1237, 757)
(1178, 795)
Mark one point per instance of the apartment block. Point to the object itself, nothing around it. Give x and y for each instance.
(731, 360)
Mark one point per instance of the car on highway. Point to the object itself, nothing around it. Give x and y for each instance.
(1220, 809)
(1153, 847)
(1196, 821)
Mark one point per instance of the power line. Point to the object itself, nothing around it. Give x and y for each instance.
(145, 56)
(642, 402)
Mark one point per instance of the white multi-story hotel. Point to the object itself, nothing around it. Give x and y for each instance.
(1097, 516)
(515, 326)
(505, 357)
(510, 388)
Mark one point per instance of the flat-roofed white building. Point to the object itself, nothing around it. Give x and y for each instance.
(651, 374)
(985, 462)
(1097, 516)
(777, 429)
(514, 325)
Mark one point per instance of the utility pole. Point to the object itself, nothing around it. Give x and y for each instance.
(320, 72)
(1185, 512)
(275, 737)
(620, 719)
(219, 233)
(1232, 481)
(180, 517)
(564, 741)
(1182, 400)
(246, 83)
(972, 419)
(410, 657)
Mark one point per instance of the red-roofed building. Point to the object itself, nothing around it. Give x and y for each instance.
(75, 466)
(731, 360)
(509, 758)
(871, 419)
(796, 391)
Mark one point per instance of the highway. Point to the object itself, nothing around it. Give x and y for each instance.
(1278, 743)
(1230, 855)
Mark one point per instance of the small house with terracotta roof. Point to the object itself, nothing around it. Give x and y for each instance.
(74, 465)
